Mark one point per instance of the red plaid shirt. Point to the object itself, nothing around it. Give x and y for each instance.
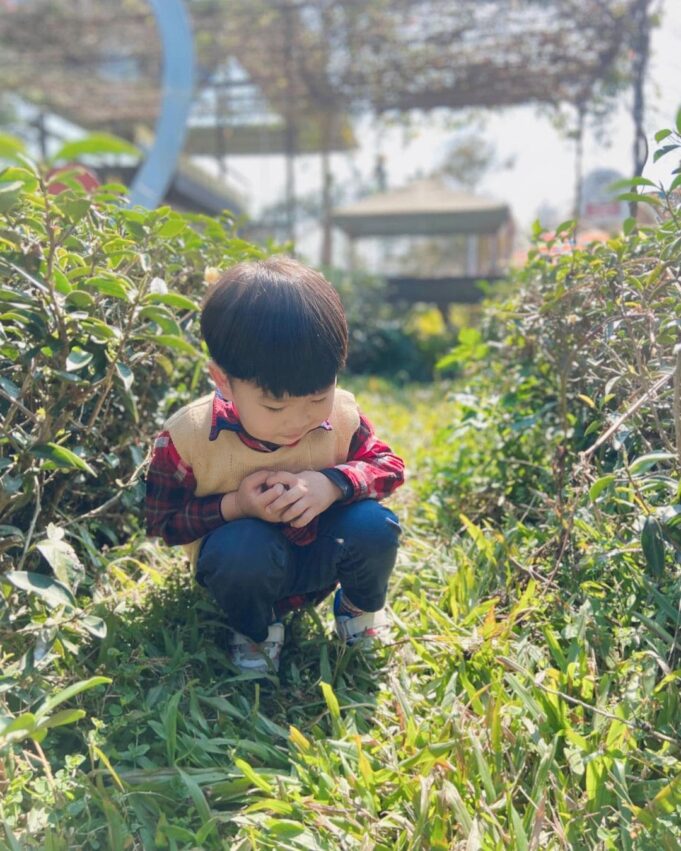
(372, 470)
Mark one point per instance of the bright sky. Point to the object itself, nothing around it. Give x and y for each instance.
(543, 161)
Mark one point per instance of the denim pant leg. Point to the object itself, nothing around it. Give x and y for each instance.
(356, 545)
(246, 565)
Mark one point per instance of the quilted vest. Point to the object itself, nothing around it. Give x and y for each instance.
(220, 465)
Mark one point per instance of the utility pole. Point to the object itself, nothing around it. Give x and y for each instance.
(289, 128)
(640, 27)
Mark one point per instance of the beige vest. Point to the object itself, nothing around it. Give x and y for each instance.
(220, 465)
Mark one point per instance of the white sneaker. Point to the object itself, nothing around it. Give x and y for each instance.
(263, 657)
(370, 627)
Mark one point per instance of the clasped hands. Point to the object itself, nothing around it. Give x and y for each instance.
(281, 497)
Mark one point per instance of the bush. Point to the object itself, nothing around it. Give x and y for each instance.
(98, 342)
(562, 465)
(99, 339)
(384, 339)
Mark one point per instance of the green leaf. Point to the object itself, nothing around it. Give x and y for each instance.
(636, 198)
(68, 693)
(197, 796)
(74, 208)
(249, 772)
(108, 286)
(99, 330)
(652, 545)
(628, 225)
(96, 143)
(80, 299)
(469, 336)
(53, 592)
(163, 318)
(662, 134)
(171, 342)
(521, 841)
(61, 282)
(12, 841)
(94, 625)
(482, 544)
(599, 486)
(172, 228)
(10, 146)
(60, 456)
(645, 462)
(16, 729)
(662, 152)
(64, 716)
(565, 226)
(126, 375)
(664, 803)
(7, 531)
(170, 726)
(669, 517)
(25, 175)
(9, 195)
(13, 297)
(9, 387)
(172, 300)
(626, 182)
(61, 557)
(174, 831)
(331, 700)
(78, 359)
(678, 121)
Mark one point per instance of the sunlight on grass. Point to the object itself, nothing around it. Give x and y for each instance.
(476, 728)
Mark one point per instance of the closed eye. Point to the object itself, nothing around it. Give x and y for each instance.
(274, 410)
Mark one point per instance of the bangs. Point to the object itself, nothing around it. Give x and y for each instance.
(278, 324)
(287, 354)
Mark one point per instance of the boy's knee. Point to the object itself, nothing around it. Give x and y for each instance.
(371, 527)
(242, 554)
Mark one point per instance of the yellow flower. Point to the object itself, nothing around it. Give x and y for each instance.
(211, 275)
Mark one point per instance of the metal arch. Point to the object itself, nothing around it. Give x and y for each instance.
(152, 179)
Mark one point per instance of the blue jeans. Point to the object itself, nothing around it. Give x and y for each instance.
(248, 565)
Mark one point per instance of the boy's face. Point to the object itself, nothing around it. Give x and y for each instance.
(282, 421)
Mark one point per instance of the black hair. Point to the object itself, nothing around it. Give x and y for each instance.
(278, 323)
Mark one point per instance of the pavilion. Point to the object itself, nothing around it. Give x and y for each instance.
(480, 230)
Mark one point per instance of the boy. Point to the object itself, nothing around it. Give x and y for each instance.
(272, 482)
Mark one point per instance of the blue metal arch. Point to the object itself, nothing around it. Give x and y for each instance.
(152, 179)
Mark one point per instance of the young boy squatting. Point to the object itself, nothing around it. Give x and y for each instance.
(273, 481)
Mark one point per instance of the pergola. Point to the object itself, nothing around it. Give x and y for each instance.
(97, 61)
(429, 208)
(315, 63)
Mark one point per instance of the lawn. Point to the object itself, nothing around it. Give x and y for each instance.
(479, 727)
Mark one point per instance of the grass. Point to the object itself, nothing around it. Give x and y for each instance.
(487, 724)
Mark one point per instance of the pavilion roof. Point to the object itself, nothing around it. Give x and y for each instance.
(422, 208)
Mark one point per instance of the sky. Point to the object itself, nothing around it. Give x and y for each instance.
(543, 167)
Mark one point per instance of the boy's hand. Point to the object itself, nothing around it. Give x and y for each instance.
(253, 497)
(307, 494)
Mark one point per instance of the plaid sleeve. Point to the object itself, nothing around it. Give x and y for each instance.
(372, 470)
(172, 511)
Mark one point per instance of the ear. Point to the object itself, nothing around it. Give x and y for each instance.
(221, 379)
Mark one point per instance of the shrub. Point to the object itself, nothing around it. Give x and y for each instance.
(562, 466)
(577, 373)
(98, 342)
(384, 339)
